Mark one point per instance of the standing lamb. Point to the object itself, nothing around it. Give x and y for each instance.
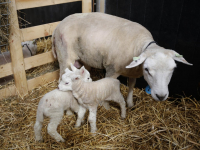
(53, 105)
(104, 41)
(90, 94)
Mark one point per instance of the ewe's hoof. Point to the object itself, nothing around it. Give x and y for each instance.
(39, 139)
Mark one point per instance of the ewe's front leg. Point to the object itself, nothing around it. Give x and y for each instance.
(92, 118)
(131, 84)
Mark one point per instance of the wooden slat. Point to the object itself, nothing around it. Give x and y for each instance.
(30, 62)
(5, 70)
(32, 83)
(38, 60)
(16, 52)
(86, 6)
(24, 4)
(38, 31)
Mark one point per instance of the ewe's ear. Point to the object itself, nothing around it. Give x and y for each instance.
(73, 67)
(34, 42)
(179, 58)
(137, 61)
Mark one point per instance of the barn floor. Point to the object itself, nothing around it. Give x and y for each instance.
(173, 124)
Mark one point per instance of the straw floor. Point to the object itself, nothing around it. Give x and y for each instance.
(169, 125)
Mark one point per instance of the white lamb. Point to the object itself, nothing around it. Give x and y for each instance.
(90, 94)
(53, 105)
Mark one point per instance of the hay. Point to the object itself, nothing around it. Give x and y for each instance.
(148, 125)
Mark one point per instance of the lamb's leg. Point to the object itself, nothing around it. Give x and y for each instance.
(81, 114)
(92, 118)
(52, 127)
(118, 98)
(37, 130)
(104, 103)
(131, 84)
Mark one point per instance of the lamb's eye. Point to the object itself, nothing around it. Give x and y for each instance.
(88, 78)
(67, 83)
(146, 69)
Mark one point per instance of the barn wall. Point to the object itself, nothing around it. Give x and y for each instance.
(174, 25)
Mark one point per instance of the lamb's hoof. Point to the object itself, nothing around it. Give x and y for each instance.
(130, 105)
(39, 139)
(60, 140)
(123, 117)
(83, 122)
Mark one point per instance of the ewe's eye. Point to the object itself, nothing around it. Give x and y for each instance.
(147, 70)
(88, 78)
(67, 83)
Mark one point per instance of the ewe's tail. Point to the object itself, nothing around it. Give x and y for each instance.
(53, 45)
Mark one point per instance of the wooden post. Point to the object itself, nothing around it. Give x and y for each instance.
(17, 59)
(86, 6)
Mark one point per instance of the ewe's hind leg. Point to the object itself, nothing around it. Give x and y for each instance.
(131, 84)
(52, 127)
(92, 118)
(37, 130)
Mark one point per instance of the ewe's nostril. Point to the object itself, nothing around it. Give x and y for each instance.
(160, 97)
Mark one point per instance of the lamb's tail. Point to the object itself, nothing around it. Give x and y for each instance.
(54, 45)
(38, 125)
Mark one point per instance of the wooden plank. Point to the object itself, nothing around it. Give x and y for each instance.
(38, 31)
(38, 60)
(86, 6)
(32, 83)
(16, 52)
(30, 62)
(41, 80)
(5, 70)
(24, 4)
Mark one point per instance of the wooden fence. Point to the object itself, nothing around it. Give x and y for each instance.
(18, 64)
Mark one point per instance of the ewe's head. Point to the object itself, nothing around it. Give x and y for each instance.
(158, 67)
(84, 73)
(30, 45)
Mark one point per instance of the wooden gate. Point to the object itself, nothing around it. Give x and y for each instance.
(18, 64)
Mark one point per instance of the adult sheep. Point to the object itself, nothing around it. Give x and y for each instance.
(105, 41)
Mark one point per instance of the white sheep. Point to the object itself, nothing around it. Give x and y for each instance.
(90, 94)
(108, 42)
(53, 105)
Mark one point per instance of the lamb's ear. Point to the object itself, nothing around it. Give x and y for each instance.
(179, 58)
(67, 70)
(82, 70)
(137, 61)
(73, 67)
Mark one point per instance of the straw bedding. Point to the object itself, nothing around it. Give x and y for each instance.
(173, 124)
(170, 125)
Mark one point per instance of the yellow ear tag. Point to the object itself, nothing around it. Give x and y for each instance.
(177, 55)
(135, 58)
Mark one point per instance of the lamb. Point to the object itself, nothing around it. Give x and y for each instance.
(54, 103)
(108, 42)
(90, 94)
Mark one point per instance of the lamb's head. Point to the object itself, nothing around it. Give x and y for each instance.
(84, 73)
(158, 67)
(65, 84)
(30, 45)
